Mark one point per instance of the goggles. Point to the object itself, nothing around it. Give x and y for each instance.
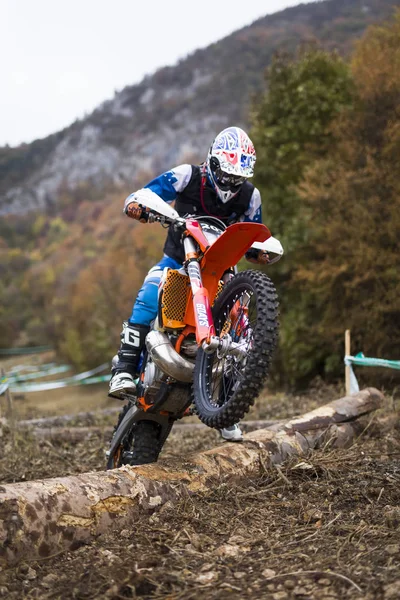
(227, 181)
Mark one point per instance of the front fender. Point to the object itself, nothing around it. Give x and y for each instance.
(229, 248)
(226, 252)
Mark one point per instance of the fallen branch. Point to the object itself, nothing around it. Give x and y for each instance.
(78, 434)
(39, 518)
(61, 420)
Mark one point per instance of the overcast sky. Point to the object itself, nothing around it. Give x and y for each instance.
(62, 58)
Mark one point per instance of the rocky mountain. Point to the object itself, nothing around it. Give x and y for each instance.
(172, 115)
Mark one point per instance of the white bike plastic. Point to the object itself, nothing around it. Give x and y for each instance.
(272, 246)
(150, 199)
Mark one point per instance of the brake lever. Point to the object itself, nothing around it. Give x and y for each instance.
(178, 224)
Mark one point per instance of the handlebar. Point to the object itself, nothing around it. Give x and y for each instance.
(179, 222)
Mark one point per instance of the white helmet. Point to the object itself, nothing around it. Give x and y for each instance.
(230, 162)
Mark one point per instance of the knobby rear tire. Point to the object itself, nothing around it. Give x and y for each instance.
(145, 444)
(256, 369)
(141, 446)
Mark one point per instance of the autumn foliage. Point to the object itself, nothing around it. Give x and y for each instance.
(327, 134)
(342, 270)
(353, 201)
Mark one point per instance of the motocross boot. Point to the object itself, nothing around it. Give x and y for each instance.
(125, 363)
(232, 434)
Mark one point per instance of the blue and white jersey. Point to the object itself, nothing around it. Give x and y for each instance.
(171, 183)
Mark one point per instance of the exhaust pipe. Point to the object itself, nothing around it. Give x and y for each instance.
(167, 359)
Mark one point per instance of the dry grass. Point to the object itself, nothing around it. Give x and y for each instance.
(321, 528)
(324, 527)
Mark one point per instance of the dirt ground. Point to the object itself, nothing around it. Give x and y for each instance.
(326, 526)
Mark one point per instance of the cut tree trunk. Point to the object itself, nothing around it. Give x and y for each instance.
(62, 420)
(78, 434)
(40, 518)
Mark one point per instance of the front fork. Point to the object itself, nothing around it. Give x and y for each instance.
(205, 330)
(201, 302)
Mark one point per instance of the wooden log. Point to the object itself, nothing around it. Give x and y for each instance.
(61, 420)
(40, 518)
(78, 434)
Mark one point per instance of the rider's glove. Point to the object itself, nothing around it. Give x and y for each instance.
(137, 211)
(257, 257)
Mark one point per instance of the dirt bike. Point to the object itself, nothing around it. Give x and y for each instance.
(209, 349)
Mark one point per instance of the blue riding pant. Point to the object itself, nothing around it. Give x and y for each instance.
(145, 307)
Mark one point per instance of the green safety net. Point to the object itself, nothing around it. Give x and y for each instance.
(20, 384)
(17, 351)
(361, 361)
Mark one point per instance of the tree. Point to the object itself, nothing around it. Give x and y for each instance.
(349, 265)
(291, 129)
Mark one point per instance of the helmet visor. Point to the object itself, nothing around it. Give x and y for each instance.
(227, 181)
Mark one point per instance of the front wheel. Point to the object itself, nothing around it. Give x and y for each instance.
(224, 385)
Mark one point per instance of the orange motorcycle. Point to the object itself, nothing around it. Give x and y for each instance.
(210, 348)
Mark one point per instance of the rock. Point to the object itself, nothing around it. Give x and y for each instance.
(49, 580)
(299, 591)
(154, 519)
(206, 567)
(30, 574)
(289, 584)
(392, 516)
(207, 577)
(393, 549)
(268, 573)
(280, 595)
(312, 516)
(230, 586)
(239, 574)
(125, 533)
(108, 555)
(200, 541)
(392, 591)
(166, 507)
(3, 591)
(228, 550)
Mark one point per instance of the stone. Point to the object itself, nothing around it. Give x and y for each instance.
(31, 574)
(49, 579)
(239, 574)
(230, 550)
(393, 549)
(268, 573)
(300, 591)
(392, 591)
(207, 577)
(280, 595)
(392, 517)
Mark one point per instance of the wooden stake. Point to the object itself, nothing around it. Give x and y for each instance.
(347, 367)
(9, 410)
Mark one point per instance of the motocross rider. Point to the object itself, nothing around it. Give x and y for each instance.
(219, 187)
